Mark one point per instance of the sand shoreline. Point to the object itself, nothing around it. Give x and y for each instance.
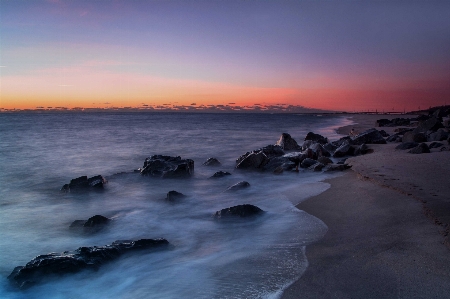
(380, 242)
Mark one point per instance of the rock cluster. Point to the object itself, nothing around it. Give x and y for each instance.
(84, 183)
(52, 264)
(167, 167)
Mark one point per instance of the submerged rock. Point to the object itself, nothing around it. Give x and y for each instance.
(220, 174)
(174, 195)
(168, 167)
(245, 210)
(84, 183)
(212, 162)
(238, 186)
(52, 264)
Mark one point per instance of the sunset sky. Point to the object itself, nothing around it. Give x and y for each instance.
(334, 55)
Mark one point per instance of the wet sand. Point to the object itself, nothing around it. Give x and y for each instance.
(387, 222)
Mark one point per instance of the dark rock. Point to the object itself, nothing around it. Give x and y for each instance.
(306, 163)
(84, 183)
(337, 167)
(431, 124)
(212, 162)
(435, 145)
(306, 144)
(286, 142)
(174, 195)
(393, 122)
(371, 136)
(384, 133)
(253, 160)
(245, 210)
(422, 118)
(47, 265)
(220, 174)
(316, 167)
(414, 137)
(282, 162)
(342, 161)
(406, 145)
(439, 135)
(420, 149)
(319, 150)
(316, 137)
(394, 138)
(344, 150)
(324, 160)
(168, 167)
(361, 150)
(239, 186)
(402, 131)
(330, 147)
(96, 220)
(382, 122)
(341, 141)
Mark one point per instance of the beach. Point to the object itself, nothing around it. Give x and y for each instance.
(388, 220)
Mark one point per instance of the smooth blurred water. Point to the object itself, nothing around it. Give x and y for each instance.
(209, 259)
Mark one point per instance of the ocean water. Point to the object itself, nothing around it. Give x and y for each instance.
(255, 258)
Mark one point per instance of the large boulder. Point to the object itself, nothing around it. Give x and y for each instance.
(242, 211)
(344, 150)
(435, 145)
(316, 137)
(167, 167)
(420, 149)
(174, 195)
(371, 136)
(394, 138)
(319, 150)
(324, 160)
(58, 264)
(287, 143)
(84, 183)
(439, 135)
(406, 145)
(257, 159)
(279, 164)
(306, 163)
(431, 124)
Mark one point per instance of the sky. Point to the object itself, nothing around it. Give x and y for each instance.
(332, 55)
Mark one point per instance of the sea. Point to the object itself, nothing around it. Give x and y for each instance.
(207, 258)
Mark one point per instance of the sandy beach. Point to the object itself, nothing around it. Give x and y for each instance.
(388, 220)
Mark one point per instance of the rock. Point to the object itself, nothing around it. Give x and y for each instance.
(341, 141)
(414, 137)
(394, 138)
(420, 149)
(344, 150)
(392, 123)
(337, 167)
(52, 264)
(341, 161)
(286, 142)
(361, 150)
(384, 133)
(435, 145)
(278, 170)
(439, 135)
(306, 144)
(317, 167)
(406, 145)
(329, 147)
(371, 136)
(382, 122)
(402, 131)
(174, 195)
(220, 174)
(245, 210)
(316, 137)
(167, 167)
(431, 124)
(96, 220)
(239, 186)
(283, 162)
(324, 160)
(306, 163)
(319, 150)
(212, 162)
(253, 160)
(84, 183)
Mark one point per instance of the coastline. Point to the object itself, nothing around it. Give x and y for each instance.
(381, 242)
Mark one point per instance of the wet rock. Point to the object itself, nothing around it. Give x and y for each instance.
(167, 167)
(220, 174)
(324, 160)
(174, 195)
(394, 138)
(239, 186)
(420, 149)
(253, 160)
(306, 163)
(341, 141)
(84, 183)
(406, 145)
(330, 147)
(344, 150)
(319, 150)
(212, 162)
(316, 137)
(96, 220)
(283, 162)
(361, 150)
(83, 258)
(242, 211)
(286, 142)
(371, 136)
(317, 167)
(414, 137)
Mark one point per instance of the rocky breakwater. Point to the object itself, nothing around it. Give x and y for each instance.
(84, 258)
(83, 183)
(167, 167)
